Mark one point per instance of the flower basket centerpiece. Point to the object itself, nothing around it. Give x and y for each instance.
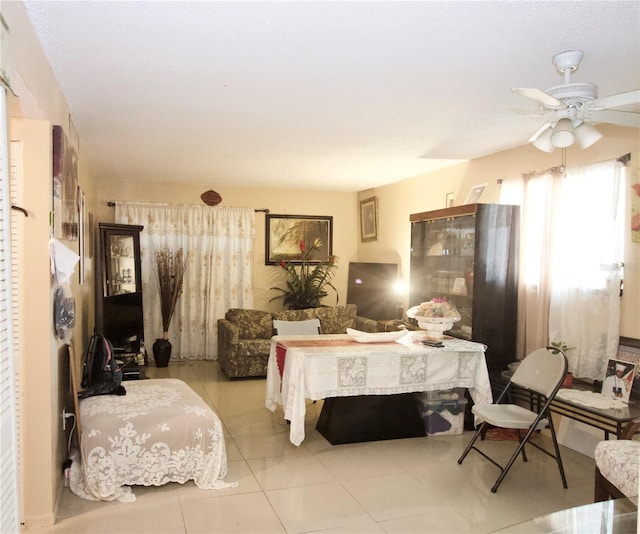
(435, 316)
(170, 267)
(307, 282)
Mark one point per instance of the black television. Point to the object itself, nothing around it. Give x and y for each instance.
(371, 288)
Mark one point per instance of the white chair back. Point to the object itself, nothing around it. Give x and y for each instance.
(287, 328)
(541, 371)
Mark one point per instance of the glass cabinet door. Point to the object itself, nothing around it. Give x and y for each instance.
(443, 263)
(121, 276)
(469, 255)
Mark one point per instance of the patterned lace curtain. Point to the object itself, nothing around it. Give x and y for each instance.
(218, 244)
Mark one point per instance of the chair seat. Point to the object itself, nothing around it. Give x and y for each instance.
(618, 461)
(507, 416)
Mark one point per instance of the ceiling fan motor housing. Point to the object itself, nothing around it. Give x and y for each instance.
(574, 93)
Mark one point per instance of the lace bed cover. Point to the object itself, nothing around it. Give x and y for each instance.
(333, 365)
(160, 431)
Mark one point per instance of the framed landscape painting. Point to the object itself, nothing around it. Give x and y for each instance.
(284, 233)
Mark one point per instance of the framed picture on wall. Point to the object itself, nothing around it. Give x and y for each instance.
(285, 233)
(65, 187)
(369, 219)
(81, 232)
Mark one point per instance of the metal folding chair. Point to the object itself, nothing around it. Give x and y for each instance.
(541, 373)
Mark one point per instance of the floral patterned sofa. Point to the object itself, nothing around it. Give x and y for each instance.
(244, 336)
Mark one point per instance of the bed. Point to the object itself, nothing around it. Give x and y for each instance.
(160, 431)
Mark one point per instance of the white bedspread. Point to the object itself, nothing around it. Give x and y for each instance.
(160, 431)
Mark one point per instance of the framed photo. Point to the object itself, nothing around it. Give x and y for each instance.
(81, 233)
(475, 194)
(369, 219)
(65, 187)
(618, 379)
(284, 233)
(448, 203)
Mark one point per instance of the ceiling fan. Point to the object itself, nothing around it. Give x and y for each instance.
(572, 106)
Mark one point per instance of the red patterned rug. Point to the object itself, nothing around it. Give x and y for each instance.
(501, 434)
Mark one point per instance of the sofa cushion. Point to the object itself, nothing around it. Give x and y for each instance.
(336, 319)
(253, 324)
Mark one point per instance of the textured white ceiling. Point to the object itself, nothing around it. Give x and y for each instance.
(317, 95)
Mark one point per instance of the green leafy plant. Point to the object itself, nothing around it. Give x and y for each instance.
(306, 283)
(560, 345)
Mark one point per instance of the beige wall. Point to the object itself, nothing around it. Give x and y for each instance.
(428, 192)
(41, 104)
(341, 206)
(42, 363)
(39, 365)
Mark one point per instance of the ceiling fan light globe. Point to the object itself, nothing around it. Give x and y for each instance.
(587, 135)
(543, 141)
(563, 135)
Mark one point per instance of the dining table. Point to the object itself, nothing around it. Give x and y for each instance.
(332, 366)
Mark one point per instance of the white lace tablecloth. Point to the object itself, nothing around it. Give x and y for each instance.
(160, 431)
(333, 365)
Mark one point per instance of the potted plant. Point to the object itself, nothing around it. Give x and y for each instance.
(170, 267)
(568, 379)
(306, 286)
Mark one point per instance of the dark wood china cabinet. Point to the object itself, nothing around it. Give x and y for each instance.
(468, 254)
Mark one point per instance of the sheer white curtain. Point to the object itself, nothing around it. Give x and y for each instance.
(587, 257)
(534, 193)
(218, 244)
(571, 249)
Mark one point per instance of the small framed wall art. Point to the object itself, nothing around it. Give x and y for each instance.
(369, 219)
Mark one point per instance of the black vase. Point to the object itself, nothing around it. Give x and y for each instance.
(162, 352)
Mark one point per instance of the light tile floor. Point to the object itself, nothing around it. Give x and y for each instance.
(407, 485)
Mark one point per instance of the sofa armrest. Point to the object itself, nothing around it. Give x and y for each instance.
(228, 340)
(366, 325)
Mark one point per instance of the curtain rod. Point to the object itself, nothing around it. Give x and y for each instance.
(112, 204)
(625, 159)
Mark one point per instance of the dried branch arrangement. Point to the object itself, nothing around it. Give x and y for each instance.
(170, 267)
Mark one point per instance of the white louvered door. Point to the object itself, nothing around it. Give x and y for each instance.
(9, 471)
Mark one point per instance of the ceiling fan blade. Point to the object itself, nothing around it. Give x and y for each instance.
(539, 132)
(538, 95)
(615, 101)
(622, 118)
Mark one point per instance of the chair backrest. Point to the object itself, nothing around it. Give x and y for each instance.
(286, 328)
(542, 371)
